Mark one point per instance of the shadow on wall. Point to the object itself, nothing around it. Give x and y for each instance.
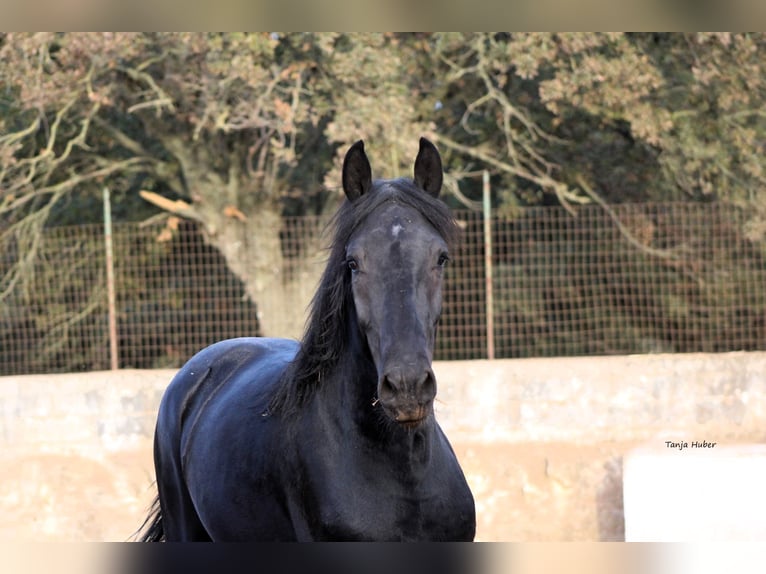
(609, 503)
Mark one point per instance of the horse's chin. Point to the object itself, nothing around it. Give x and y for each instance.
(412, 424)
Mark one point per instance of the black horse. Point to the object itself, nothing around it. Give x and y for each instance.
(333, 438)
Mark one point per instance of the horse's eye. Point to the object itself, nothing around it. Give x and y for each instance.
(352, 264)
(443, 260)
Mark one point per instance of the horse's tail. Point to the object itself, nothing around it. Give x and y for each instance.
(152, 529)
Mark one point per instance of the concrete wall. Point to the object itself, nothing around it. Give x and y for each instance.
(541, 440)
(619, 398)
(83, 413)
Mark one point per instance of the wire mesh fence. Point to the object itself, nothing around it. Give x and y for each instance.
(638, 279)
(670, 278)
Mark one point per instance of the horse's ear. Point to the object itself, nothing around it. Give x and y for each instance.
(357, 174)
(428, 168)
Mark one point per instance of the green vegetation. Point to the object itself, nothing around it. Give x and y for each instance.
(237, 131)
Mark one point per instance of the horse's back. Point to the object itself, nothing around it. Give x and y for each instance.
(258, 362)
(244, 351)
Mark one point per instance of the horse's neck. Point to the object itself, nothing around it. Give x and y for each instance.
(356, 385)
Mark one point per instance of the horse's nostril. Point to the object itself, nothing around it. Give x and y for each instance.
(396, 386)
(427, 388)
(387, 390)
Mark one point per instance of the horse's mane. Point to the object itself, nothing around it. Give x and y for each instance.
(327, 329)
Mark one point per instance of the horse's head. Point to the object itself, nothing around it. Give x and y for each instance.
(396, 258)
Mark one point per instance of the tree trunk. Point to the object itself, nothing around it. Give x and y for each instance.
(252, 249)
(242, 219)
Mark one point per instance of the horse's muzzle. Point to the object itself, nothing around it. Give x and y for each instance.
(407, 400)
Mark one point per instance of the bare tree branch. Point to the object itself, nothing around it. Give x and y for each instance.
(565, 195)
(629, 237)
(177, 207)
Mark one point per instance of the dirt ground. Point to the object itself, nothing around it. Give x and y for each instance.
(523, 492)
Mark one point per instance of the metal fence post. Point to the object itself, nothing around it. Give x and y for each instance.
(489, 297)
(113, 356)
